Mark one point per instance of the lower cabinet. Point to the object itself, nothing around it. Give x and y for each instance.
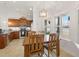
(14, 35)
(3, 41)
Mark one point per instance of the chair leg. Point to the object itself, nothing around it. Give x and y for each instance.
(48, 53)
(42, 51)
(38, 54)
(41, 55)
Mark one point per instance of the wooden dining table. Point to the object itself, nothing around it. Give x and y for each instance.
(26, 45)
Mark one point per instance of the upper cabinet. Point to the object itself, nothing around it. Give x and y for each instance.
(19, 22)
(13, 22)
(25, 22)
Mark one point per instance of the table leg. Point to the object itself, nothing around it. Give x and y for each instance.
(26, 51)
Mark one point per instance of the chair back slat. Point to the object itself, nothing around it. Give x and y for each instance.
(53, 39)
(52, 43)
(36, 43)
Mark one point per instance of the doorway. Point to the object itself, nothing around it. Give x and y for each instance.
(62, 26)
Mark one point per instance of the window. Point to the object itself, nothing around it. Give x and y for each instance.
(65, 21)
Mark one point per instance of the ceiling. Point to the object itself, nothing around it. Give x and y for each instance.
(54, 6)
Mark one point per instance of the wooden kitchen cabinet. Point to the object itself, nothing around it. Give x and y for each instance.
(19, 22)
(13, 22)
(24, 22)
(3, 41)
(14, 35)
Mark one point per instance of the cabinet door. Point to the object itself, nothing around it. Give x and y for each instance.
(3, 41)
(13, 22)
(16, 35)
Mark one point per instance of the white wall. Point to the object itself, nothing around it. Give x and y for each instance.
(74, 25)
(38, 22)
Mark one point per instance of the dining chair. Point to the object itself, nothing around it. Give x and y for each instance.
(36, 44)
(31, 33)
(51, 46)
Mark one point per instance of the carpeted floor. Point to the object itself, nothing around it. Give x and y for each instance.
(16, 49)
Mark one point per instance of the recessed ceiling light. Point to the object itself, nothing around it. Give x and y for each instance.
(30, 9)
